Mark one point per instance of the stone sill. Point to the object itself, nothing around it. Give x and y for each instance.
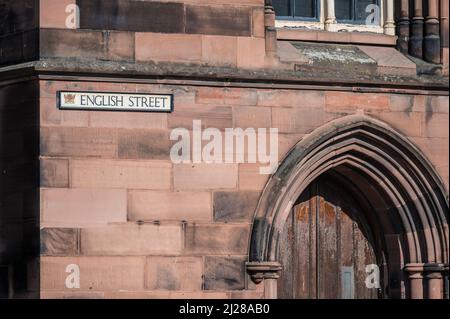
(336, 37)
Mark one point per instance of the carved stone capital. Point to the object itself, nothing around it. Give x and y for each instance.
(263, 270)
(414, 270)
(434, 271)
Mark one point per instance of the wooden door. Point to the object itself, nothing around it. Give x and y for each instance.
(325, 246)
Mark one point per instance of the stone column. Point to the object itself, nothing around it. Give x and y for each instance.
(403, 27)
(416, 40)
(432, 40)
(446, 283)
(415, 275)
(267, 272)
(434, 277)
(389, 24)
(444, 35)
(269, 27)
(330, 16)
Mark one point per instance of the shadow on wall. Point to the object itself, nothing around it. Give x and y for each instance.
(19, 190)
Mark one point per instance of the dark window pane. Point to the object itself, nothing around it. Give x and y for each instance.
(361, 6)
(305, 8)
(344, 9)
(282, 7)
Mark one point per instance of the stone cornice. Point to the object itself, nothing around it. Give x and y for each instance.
(202, 73)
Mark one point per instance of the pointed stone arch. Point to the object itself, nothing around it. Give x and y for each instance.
(412, 214)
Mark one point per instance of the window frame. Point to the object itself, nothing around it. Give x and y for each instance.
(357, 22)
(320, 23)
(306, 19)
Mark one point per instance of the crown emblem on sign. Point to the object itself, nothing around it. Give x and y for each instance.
(69, 98)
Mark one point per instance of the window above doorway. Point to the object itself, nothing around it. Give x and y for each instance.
(375, 16)
(301, 10)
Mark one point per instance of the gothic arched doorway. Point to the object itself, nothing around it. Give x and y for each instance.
(357, 174)
(327, 248)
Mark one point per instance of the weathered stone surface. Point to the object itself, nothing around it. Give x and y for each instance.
(211, 116)
(59, 241)
(171, 47)
(224, 273)
(402, 103)
(298, 120)
(174, 273)
(132, 239)
(286, 142)
(96, 273)
(219, 20)
(253, 117)
(144, 144)
(144, 16)
(54, 172)
(52, 13)
(130, 120)
(50, 115)
(165, 205)
(87, 44)
(439, 104)
(251, 52)
(226, 96)
(435, 149)
(250, 177)
(389, 60)
(80, 142)
(48, 88)
(216, 239)
(63, 207)
(287, 53)
(258, 23)
(291, 98)
(344, 101)
(121, 174)
(234, 206)
(219, 50)
(435, 125)
(205, 176)
(407, 123)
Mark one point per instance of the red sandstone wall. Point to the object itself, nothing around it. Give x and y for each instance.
(19, 24)
(19, 190)
(101, 172)
(222, 33)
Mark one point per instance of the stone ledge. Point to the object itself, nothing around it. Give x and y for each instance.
(194, 72)
(336, 37)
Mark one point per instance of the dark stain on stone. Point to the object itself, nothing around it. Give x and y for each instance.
(59, 241)
(166, 279)
(234, 206)
(139, 144)
(224, 273)
(428, 109)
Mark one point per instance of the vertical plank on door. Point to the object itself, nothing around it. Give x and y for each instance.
(301, 252)
(328, 266)
(313, 242)
(363, 257)
(346, 243)
(286, 281)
